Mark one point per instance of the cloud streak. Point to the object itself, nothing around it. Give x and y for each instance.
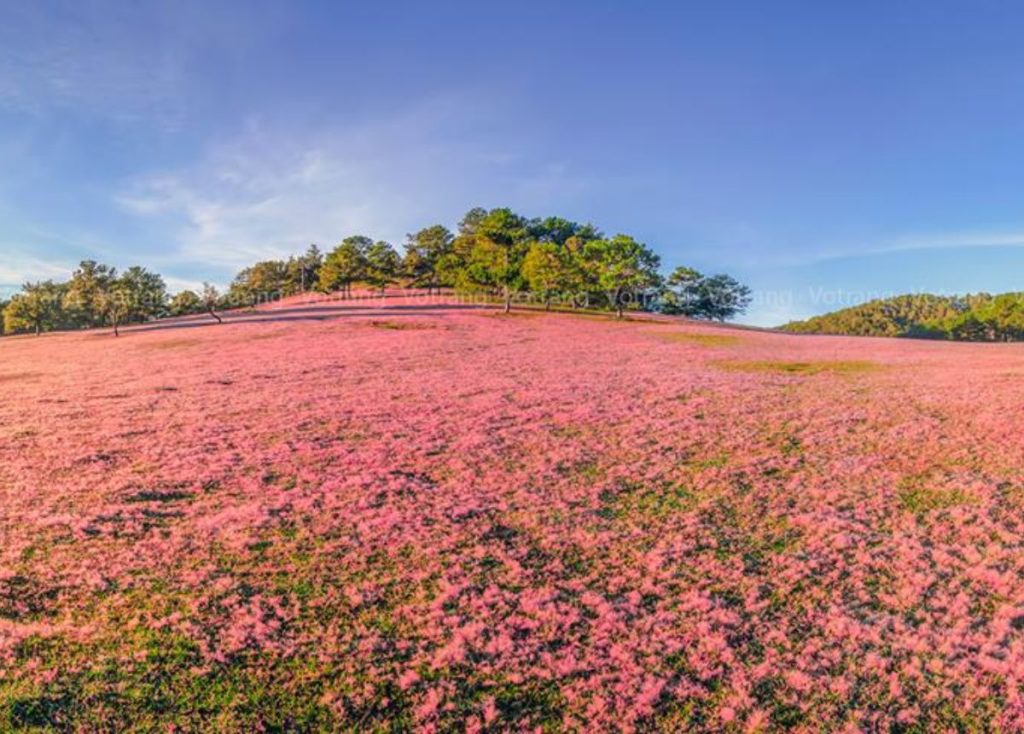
(18, 267)
(266, 194)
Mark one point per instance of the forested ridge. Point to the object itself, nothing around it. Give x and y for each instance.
(973, 317)
(497, 254)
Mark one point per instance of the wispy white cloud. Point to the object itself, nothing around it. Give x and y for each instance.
(18, 267)
(800, 256)
(955, 240)
(269, 194)
(176, 285)
(31, 251)
(943, 240)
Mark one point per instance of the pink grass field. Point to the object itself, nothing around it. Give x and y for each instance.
(363, 516)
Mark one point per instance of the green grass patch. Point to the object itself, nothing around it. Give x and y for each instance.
(711, 462)
(698, 338)
(533, 703)
(165, 688)
(841, 367)
(173, 343)
(646, 502)
(25, 597)
(399, 325)
(517, 314)
(258, 336)
(159, 496)
(916, 497)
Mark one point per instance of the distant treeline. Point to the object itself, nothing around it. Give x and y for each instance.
(497, 254)
(978, 317)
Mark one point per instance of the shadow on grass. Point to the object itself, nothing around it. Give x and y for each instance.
(314, 314)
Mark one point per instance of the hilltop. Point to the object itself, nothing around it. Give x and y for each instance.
(495, 254)
(978, 317)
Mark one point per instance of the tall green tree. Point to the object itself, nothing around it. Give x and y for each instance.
(546, 270)
(425, 255)
(146, 293)
(625, 270)
(470, 222)
(303, 272)
(1004, 316)
(383, 265)
(500, 241)
(717, 297)
(968, 327)
(580, 274)
(261, 282)
(115, 304)
(451, 267)
(572, 275)
(559, 230)
(723, 297)
(84, 297)
(211, 300)
(344, 265)
(184, 303)
(37, 308)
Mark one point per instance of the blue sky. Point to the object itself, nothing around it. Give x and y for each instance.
(822, 152)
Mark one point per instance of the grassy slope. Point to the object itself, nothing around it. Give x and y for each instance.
(397, 517)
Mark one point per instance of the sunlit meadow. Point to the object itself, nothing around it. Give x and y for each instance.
(433, 518)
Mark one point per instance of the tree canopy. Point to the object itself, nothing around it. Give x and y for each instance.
(691, 293)
(496, 254)
(37, 308)
(425, 256)
(345, 264)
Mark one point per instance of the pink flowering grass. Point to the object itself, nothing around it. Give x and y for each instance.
(349, 516)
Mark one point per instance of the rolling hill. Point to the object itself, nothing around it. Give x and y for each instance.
(403, 515)
(979, 317)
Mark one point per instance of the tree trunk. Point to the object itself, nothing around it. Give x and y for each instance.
(39, 329)
(219, 319)
(618, 311)
(117, 332)
(547, 304)
(508, 301)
